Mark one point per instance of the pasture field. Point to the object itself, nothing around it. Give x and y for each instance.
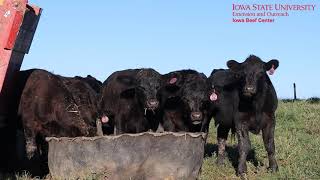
(297, 139)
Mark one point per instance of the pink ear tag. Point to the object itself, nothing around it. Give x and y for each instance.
(104, 119)
(173, 80)
(271, 71)
(213, 96)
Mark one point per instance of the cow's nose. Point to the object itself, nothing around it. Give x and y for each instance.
(249, 89)
(153, 103)
(196, 117)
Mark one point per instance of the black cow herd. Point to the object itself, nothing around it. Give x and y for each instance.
(241, 99)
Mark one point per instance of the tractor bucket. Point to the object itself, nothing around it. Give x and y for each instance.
(129, 156)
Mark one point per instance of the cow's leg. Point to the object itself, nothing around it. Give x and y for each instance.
(222, 138)
(31, 145)
(244, 144)
(268, 139)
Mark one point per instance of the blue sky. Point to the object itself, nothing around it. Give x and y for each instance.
(100, 37)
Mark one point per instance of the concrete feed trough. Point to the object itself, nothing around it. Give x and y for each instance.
(128, 156)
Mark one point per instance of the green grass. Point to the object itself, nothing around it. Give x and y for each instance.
(297, 139)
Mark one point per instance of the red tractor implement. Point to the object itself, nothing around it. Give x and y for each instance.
(18, 23)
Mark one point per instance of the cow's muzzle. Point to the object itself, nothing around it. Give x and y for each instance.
(249, 91)
(196, 117)
(152, 104)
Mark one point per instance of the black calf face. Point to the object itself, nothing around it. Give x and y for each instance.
(191, 88)
(148, 85)
(195, 104)
(253, 72)
(196, 100)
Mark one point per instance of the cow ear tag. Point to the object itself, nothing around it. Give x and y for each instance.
(272, 70)
(104, 119)
(213, 96)
(173, 80)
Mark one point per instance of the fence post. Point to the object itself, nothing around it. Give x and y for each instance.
(294, 91)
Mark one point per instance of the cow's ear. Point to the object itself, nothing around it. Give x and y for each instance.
(233, 65)
(172, 85)
(128, 93)
(171, 82)
(171, 79)
(271, 66)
